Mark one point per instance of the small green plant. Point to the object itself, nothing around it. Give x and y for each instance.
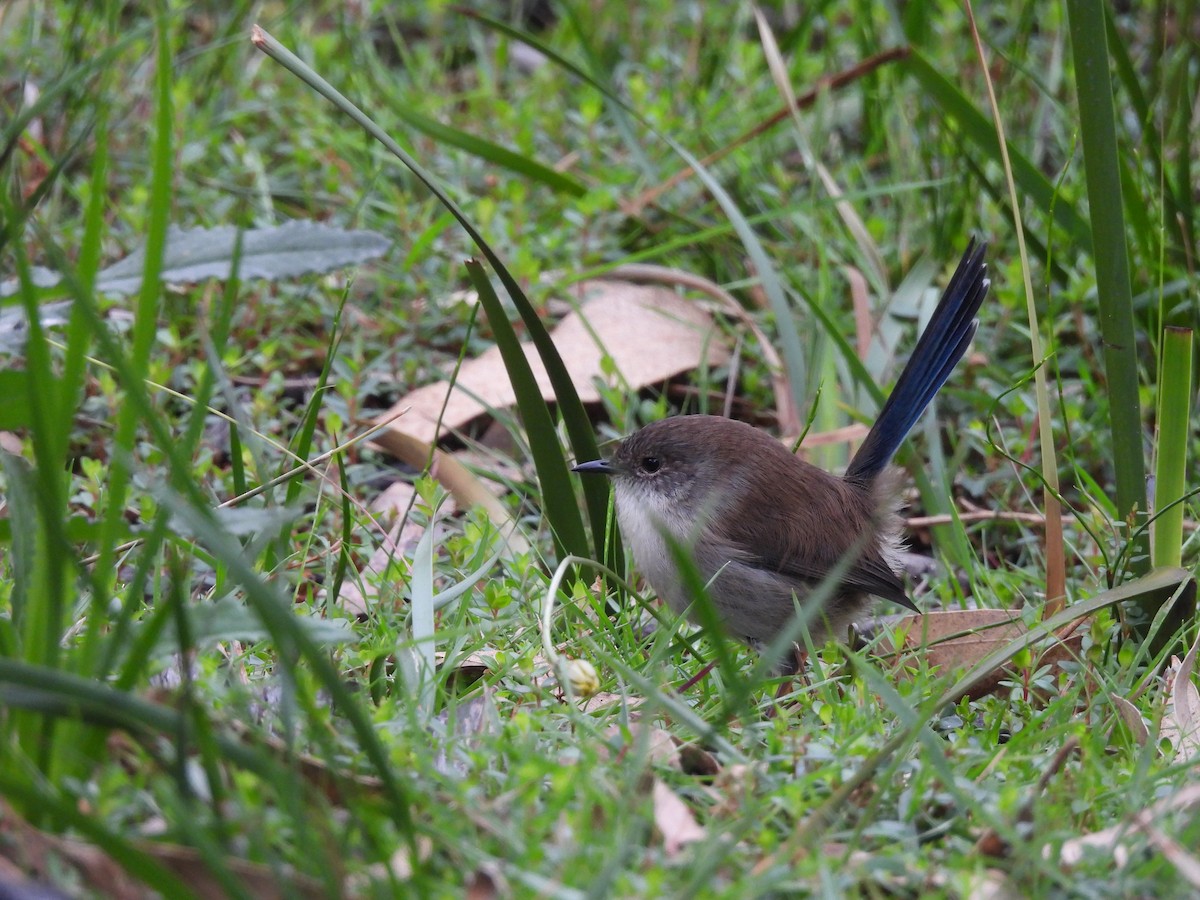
(187, 471)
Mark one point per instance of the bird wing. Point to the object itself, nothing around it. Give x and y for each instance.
(869, 574)
(773, 545)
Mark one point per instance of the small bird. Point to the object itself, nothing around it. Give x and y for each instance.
(765, 527)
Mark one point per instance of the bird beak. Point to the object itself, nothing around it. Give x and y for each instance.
(596, 467)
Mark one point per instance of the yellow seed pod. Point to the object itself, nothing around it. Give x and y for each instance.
(582, 676)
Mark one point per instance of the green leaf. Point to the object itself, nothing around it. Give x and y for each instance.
(15, 408)
(197, 254)
(1170, 471)
(493, 153)
(558, 492)
(1098, 135)
(229, 619)
(568, 530)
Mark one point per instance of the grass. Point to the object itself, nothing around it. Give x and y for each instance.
(182, 693)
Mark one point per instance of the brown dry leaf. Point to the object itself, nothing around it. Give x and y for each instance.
(334, 783)
(1132, 718)
(485, 884)
(962, 638)
(398, 545)
(650, 333)
(256, 879)
(860, 302)
(785, 406)
(10, 443)
(731, 787)
(673, 821)
(394, 501)
(457, 479)
(37, 853)
(958, 638)
(1181, 721)
(657, 744)
(358, 595)
(33, 850)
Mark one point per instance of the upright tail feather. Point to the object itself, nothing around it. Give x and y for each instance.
(938, 351)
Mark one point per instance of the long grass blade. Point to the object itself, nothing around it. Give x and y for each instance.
(1098, 134)
(568, 531)
(1170, 464)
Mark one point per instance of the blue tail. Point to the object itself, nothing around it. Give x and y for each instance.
(938, 351)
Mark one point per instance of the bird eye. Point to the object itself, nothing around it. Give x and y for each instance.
(651, 464)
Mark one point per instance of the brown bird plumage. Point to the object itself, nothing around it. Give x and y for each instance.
(765, 526)
(798, 521)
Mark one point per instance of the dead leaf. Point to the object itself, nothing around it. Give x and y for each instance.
(657, 744)
(469, 668)
(963, 638)
(957, 639)
(258, 880)
(1132, 718)
(860, 302)
(1181, 720)
(358, 595)
(732, 785)
(336, 783)
(457, 479)
(785, 405)
(34, 849)
(673, 821)
(39, 853)
(650, 334)
(484, 884)
(605, 699)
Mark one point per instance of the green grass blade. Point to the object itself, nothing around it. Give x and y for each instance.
(1170, 468)
(977, 128)
(1154, 588)
(191, 507)
(66, 812)
(302, 443)
(421, 617)
(579, 427)
(558, 492)
(1099, 138)
(789, 335)
(619, 110)
(275, 612)
(492, 153)
(145, 319)
(1056, 587)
